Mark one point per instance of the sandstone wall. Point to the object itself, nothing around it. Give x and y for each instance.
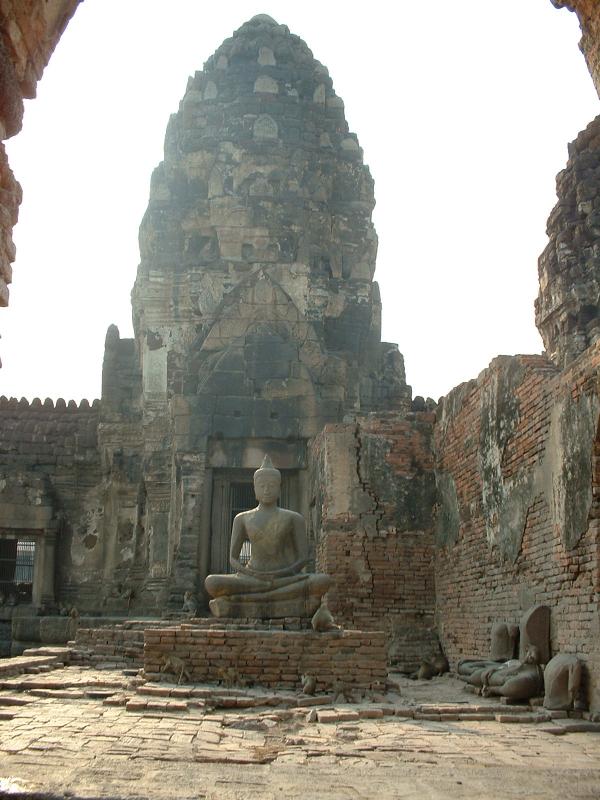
(258, 246)
(29, 32)
(255, 313)
(50, 477)
(519, 500)
(372, 494)
(566, 310)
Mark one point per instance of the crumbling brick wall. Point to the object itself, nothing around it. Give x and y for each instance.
(29, 32)
(372, 495)
(588, 13)
(517, 524)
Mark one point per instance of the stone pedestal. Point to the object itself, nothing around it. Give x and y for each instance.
(274, 658)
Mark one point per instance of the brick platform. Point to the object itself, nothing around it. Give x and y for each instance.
(122, 641)
(111, 644)
(271, 658)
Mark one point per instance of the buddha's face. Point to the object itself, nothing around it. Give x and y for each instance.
(266, 488)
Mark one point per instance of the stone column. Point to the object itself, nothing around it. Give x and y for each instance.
(44, 569)
(191, 557)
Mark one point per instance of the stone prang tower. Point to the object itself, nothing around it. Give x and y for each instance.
(256, 317)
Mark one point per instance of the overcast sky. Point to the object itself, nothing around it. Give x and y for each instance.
(464, 111)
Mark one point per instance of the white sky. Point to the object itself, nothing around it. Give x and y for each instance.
(464, 111)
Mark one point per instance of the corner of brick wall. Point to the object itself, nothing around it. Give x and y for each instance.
(373, 491)
(484, 572)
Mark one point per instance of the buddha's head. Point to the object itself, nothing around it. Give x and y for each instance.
(267, 482)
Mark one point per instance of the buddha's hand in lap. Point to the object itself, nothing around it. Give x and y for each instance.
(265, 578)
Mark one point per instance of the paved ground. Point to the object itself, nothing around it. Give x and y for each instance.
(62, 742)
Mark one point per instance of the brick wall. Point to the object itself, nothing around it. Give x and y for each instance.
(120, 645)
(271, 658)
(29, 32)
(372, 494)
(518, 524)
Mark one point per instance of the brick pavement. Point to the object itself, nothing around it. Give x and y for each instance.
(78, 746)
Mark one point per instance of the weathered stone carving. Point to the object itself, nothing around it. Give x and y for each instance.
(566, 310)
(535, 630)
(517, 680)
(562, 682)
(502, 650)
(272, 583)
(504, 639)
(190, 604)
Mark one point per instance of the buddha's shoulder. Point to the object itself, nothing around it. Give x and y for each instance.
(287, 512)
(245, 515)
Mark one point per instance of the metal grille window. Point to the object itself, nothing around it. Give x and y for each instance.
(16, 567)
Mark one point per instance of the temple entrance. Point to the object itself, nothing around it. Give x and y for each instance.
(233, 492)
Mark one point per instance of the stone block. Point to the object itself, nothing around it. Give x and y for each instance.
(26, 629)
(56, 630)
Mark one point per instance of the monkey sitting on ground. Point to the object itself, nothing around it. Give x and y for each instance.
(309, 684)
(432, 667)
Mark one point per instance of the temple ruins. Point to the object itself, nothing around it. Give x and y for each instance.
(444, 526)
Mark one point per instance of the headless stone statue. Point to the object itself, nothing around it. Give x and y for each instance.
(504, 638)
(522, 681)
(272, 584)
(562, 682)
(535, 630)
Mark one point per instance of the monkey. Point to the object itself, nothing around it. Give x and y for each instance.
(176, 665)
(322, 620)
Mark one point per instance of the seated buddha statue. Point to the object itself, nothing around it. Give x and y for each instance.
(272, 584)
(519, 681)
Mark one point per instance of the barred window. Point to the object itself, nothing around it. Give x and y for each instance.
(242, 499)
(16, 568)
